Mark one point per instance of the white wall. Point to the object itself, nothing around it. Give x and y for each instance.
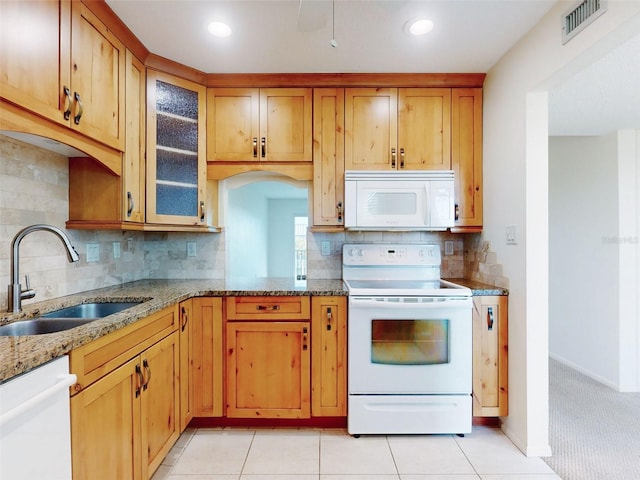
(516, 193)
(584, 312)
(247, 231)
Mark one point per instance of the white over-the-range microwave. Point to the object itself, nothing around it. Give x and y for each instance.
(406, 200)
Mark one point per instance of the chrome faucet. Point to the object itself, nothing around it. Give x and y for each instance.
(16, 294)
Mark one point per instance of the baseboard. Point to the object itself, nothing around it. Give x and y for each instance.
(584, 371)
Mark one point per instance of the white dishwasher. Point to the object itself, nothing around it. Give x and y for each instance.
(35, 424)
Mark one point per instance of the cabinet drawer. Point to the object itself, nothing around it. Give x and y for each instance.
(268, 308)
(94, 360)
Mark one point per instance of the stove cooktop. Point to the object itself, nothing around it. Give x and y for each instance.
(406, 287)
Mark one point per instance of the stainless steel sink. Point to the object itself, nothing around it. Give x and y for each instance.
(90, 310)
(65, 318)
(38, 326)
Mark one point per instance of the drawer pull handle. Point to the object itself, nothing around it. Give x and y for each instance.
(268, 308)
(140, 380)
(263, 147)
(145, 364)
(329, 318)
(78, 116)
(393, 158)
(131, 204)
(185, 318)
(67, 103)
(490, 318)
(402, 158)
(339, 207)
(305, 337)
(255, 147)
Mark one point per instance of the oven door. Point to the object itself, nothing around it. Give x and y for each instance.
(410, 345)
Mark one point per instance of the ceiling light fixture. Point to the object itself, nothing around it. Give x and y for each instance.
(219, 29)
(419, 26)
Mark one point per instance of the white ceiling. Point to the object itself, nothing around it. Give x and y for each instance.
(287, 36)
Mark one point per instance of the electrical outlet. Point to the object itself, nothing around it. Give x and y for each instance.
(448, 247)
(93, 252)
(325, 247)
(191, 249)
(510, 235)
(116, 249)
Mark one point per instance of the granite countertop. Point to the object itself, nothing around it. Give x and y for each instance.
(21, 354)
(479, 288)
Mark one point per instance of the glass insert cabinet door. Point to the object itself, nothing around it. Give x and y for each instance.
(176, 163)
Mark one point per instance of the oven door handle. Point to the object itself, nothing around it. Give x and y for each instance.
(427, 303)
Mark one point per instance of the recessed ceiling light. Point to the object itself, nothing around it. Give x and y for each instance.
(219, 29)
(419, 26)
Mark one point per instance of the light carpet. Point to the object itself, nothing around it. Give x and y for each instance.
(594, 431)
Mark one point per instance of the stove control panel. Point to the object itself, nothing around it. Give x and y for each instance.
(396, 254)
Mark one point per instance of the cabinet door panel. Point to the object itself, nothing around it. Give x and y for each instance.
(160, 402)
(370, 128)
(268, 365)
(207, 361)
(329, 356)
(97, 76)
(105, 421)
(285, 124)
(423, 128)
(466, 155)
(490, 356)
(34, 55)
(233, 116)
(328, 154)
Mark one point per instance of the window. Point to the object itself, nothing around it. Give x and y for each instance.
(300, 240)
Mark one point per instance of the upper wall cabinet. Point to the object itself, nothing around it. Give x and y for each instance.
(60, 61)
(328, 157)
(256, 125)
(397, 128)
(176, 163)
(466, 157)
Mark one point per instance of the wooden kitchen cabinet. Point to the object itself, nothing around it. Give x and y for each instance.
(397, 128)
(58, 60)
(176, 163)
(186, 356)
(133, 165)
(329, 356)
(125, 404)
(328, 154)
(259, 124)
(99, 199)
(207, 357)
(268, 371)
(490, 356)
(466, 157)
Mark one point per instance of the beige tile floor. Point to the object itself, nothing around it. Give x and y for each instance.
(332, 454)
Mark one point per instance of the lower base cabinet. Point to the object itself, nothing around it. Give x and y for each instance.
(125, 422)
(490, 356)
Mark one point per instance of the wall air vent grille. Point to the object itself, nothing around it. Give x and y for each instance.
(579, 16)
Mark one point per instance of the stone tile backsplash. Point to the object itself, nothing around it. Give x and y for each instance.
(34, 187)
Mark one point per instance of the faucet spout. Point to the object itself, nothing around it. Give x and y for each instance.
(16, 294)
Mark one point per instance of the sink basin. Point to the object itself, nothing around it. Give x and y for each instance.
(38, 326)
(90, 310)
(65, 318)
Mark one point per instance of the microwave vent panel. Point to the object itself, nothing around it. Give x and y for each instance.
(581, 15)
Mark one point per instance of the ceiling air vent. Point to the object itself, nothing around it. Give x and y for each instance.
(579, 16)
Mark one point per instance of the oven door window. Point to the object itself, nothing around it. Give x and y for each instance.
(410, 342)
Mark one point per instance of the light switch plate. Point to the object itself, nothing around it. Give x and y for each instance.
(116, 249)
(93, 252)
(191, 249)
(325, 247)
